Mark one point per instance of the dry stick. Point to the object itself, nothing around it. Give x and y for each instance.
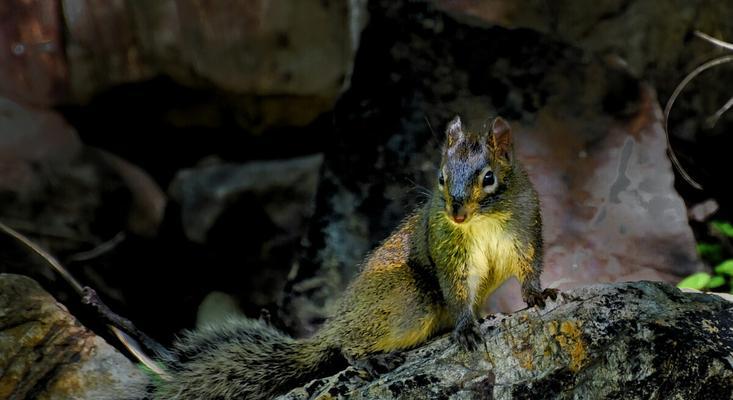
(100, 250)
(713, 119)
(91, 298)
(717, 42)
(122, 328)
(697, 71)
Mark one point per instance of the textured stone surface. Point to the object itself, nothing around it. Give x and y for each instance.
(267, 204)
(653, 37)
(283, 62)
(33, 67)
(103, 48)
(61, 192)
(148, 199)
(630, 340)
(29, 134)
(46, 354)
(294, 47)
(285, 188)
(608, 202)
(42, 177)
(588, 132)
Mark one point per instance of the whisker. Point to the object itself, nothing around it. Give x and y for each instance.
(419, 188)
(427, 121)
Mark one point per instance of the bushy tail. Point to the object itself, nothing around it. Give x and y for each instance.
(240, 359)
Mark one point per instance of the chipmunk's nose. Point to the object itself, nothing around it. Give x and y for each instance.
(459, 213)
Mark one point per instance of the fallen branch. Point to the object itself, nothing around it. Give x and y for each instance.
(122, 328)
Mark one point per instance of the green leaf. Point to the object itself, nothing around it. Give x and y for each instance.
(726, 267)
(723, 227)
(710, 251)
(716, 281)
(698, 280)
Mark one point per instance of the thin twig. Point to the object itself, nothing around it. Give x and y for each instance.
(63, 272)
(697, 71)
(122, 328)
(717, 42)
(430, 127)
(713, 119)
(29, 229)
(91, 298)
(103, 248)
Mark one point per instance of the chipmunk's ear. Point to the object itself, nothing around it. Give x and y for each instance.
(500, 139)
(454, 131)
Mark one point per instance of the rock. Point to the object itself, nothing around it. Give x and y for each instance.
(281, 63)
(297, 47)
(285, 188)
(33, 67)
(46, 354)
(216, 308)
(654, 39)
(103, 48)
(78, 202)
(30, 134)
(629, 340)
(608, 202)
(588, 132)
(249, 220)
(62, 193)
(700, 212)
(41, 192)
(148, 199)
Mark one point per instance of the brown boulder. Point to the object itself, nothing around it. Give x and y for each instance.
(45, 353)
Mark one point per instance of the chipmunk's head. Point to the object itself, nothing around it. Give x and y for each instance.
(475, 168)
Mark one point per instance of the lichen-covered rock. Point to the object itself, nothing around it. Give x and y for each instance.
(46, 354)
(623, 341)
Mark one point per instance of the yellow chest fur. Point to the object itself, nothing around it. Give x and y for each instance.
(493, 255)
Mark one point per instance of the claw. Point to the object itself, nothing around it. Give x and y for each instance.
(468, 335)
(538, 298)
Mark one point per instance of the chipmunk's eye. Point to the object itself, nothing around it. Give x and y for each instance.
(441, 179)
(489, 181)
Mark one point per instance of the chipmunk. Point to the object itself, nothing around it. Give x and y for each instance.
(480, 226)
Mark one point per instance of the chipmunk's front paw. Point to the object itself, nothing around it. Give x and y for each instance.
(538, 298)
(467, 334)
